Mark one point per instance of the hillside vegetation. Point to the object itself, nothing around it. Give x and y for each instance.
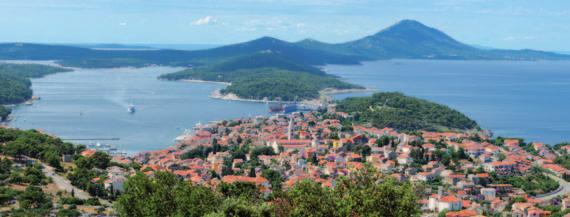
(4, 112)
(362, 195)
(265, 75)
(398, 111)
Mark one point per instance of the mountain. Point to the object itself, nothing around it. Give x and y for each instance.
(291, 51)
(264, 59)
(93, 58)
(410, 39)
(407, 39)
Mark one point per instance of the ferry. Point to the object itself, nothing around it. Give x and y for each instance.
(131, 109)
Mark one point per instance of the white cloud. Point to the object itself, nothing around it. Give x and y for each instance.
(207, 20)
(123, 24)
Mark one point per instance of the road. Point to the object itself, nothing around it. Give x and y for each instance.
(63, 183)
(563, 190)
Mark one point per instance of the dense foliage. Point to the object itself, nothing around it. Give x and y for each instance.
(361, 195)
(272, 83)
(14, 89)
(30, 70)
(533, 183)
(4, 112)
(36, 145)
(398, 111)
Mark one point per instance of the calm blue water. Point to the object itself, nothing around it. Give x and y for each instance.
(519, 99)
(92, 103)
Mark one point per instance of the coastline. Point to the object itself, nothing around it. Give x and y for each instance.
(325, 93)
(333, 91)
(207, 82)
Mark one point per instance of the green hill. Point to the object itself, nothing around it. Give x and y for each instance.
(398, 111)
(266, 59)
(285, 85)
(264, 74)
(227, 70)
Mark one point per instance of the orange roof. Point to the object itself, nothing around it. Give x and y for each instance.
(88, 153)
(554, 167)
(482, 175)
(450, 199)
(231, 179)
(462, 213)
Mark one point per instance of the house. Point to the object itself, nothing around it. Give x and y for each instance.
(489, 193)
(256, 180)
(404, 159)
(501, 167)
(440, 203)
(88, 153)
(67, 158)
(565, 201)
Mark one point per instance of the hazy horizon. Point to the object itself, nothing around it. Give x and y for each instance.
(499, 24)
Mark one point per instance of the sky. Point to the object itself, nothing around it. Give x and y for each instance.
(512, 24)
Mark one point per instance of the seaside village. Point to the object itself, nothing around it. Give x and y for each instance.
(318, 146)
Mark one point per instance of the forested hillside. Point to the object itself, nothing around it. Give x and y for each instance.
(398, 111)
(265, 75)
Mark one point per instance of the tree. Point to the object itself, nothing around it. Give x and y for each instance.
(274, 178)
(34, 198)
(308, 198)
(363, 195)
(51, 158)
(100, 160)
(247, 190)
(195, 201)
(252, 172)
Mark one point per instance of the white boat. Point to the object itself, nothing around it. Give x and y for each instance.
(131, 109)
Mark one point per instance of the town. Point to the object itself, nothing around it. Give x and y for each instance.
(465, 173)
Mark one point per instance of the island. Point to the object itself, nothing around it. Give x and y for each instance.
(264, 76)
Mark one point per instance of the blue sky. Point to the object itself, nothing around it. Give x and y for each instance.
(517, 24)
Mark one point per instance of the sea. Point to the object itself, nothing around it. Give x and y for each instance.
(523, 99)
(530, 100)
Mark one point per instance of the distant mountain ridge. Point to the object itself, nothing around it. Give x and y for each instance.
(414, 40)
(407, 39)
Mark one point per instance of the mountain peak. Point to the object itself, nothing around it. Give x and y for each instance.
(408, 26)
(414, 31)
(268, 39)
(408, 22)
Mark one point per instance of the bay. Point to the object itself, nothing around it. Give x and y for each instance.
(93, 103)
